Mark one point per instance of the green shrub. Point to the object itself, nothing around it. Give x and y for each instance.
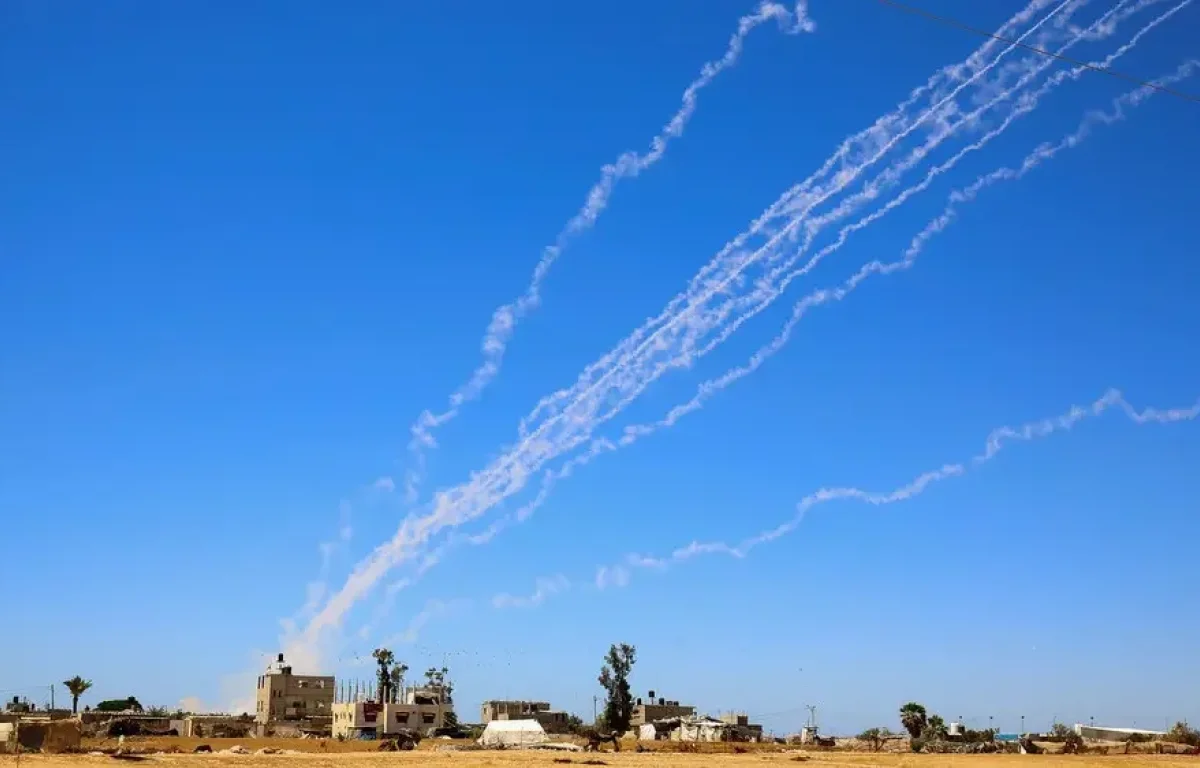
(1182, 733)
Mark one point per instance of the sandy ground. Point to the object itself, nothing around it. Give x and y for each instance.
(474, 759)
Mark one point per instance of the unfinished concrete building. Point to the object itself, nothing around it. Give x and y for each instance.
(740, 721)
(422, 709)
(652, 710)
(284, 697)
(552, 721)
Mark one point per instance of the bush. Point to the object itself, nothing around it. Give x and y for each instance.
(1182, 733)
(875, 737)
(917, 744)
(1072, 741)
(935, 728)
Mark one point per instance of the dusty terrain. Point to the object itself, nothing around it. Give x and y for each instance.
(514, 759)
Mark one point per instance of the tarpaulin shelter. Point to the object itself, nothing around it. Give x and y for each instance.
(512, 733)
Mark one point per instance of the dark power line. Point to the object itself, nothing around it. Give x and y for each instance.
(984, 33)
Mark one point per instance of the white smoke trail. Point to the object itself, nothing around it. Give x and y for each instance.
(866, 143)
(509, 474)
(995, 443)
(637, 381)
(711, 387)
(543, 589)
(535, 440)
(628, 165)
(769, 289)
(1043, 153)
(766, 292)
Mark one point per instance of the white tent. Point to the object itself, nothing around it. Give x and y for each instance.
(512, 733)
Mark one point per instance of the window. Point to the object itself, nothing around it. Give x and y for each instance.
(428, 717)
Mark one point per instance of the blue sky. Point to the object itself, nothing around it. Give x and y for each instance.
(247, 245)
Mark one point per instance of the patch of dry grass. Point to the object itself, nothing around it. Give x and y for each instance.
(341, 757)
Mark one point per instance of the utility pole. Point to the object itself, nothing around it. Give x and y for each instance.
(595, 717)
(52, 697)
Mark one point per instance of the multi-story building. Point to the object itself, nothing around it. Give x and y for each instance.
(419, 709)
(651, 710)
(283, 696)
(552, 721)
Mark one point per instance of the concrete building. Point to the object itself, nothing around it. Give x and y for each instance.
(652, 710)
(741, 722)
(356, 719)
(420, 709)
(552, 721)
(287, 697)
(214, 726)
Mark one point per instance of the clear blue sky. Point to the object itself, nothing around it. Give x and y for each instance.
(244, 245)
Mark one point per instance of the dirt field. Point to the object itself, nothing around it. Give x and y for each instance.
(516, 759)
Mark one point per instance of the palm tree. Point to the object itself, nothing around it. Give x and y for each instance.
(913, 718)
(76, 686)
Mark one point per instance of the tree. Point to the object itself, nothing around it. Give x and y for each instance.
(935, 728)
(1182, 733)
(1072, 742)
(76, 686)
(384, 658)
(397, 680)
(614, 677)
(976, 737)
(913, 718)
(435, 679)
(574, 723)
(875, 737)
